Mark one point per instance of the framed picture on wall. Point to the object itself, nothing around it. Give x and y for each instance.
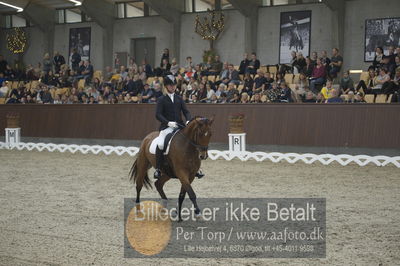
(79, 38)
(380, 32)
(295, 34)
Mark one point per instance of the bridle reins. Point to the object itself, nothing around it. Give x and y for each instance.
(200, 148)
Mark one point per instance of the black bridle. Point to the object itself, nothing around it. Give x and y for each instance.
(200, 148)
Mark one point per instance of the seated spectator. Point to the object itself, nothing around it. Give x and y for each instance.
(327, 90)
(309, 98)
(334, 97)
(147, 94)
(233, 75)
(382, 82)
(45, 95)
(164, 68)
(259, 82)
(244, 98)
(318, 76)
(346, 83)
(301, 87)
(336, 63)
(368, 84)
(244, 64)
(134, 86)
(174, 67)
(231, 91)
(202, 93)
(197, 72)
(325, 60)
(132, 66)
(124, 73)
(388, 65)
(235, 98)
(256, 98)
(189, 73)
(279, 78)
(268, 80)
(299, 63)
(254, 64)
(216, 66)
(109, 74)
(248, 84)
(206, 66)
(213, 99)
(210, 92)
(286, 93)
(3, 89)
(308, 68)
(146, 68)
(189, 63)
(88, 71)
(224, 76)
(378, 59)
(314, 57)
(221, 90)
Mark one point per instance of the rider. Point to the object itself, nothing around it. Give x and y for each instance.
(169, 109)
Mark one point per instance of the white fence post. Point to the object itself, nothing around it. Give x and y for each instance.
(13, 137)
(237, 142)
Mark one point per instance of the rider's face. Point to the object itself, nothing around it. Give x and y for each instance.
(170, 88)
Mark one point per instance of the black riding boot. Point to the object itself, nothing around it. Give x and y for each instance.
(159, 158)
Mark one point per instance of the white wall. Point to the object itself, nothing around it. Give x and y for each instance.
(269, 23)
(61, 41)
(230, 45)
(357, 11)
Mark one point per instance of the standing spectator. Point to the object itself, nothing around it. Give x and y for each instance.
(88, 71)
(244, 64)
(147, 68)
(132, 66)
(299, 64)
(165, 56)
(58, 61)
(75, 60)
(254, 64)
(216, 66)
(336, 63)
(318, 76)
(3, 64)
(47, 64)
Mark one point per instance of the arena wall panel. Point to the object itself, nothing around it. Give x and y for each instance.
(364, 125)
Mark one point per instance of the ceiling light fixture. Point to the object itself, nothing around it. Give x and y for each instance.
(19, 9)
(77, 3)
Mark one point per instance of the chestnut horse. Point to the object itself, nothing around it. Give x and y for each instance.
(188, 147)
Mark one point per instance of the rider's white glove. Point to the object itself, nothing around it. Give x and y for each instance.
(187, 122)
(172, 124)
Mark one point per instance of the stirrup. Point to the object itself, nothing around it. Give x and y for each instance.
(199, 174)
(157, 174)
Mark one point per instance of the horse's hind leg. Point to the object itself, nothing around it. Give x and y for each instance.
(143, 165)
(160, 184)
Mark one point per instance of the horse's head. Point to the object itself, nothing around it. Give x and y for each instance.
(201, 134)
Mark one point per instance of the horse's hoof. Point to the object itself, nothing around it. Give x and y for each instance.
(198, 217)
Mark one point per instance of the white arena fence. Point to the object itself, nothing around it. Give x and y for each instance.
(308, 158)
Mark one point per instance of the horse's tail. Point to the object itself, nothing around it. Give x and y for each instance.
(134, 173)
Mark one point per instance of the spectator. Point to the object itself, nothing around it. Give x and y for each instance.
(346, 83)
(334, 97)
(327, 90)
(259, 82)
(75, 59)
(231, 91)
(318, 76)
(369, 83)
(3, 89)
(216, 66)
(210, 92)
(325, 60)
(301, 87)
(308, 68)
(244, 98)
(165, 56)
(382, 82)
(378, 59)
(47, 64)
(132, 66)
(147, 94)
(244, 64)
(189, 62)
(299, 64)
(254, 64)
(286, 93)
(310, 97)
(233, 75)
(336, 63)
(174, 67)
(3, 64)
(58, 61)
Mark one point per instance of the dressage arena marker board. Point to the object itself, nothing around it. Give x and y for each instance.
(308, 158)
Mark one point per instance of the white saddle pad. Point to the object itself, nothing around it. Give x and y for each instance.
(155, 141)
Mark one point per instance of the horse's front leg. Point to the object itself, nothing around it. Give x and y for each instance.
(181, 198)
(192, 196)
